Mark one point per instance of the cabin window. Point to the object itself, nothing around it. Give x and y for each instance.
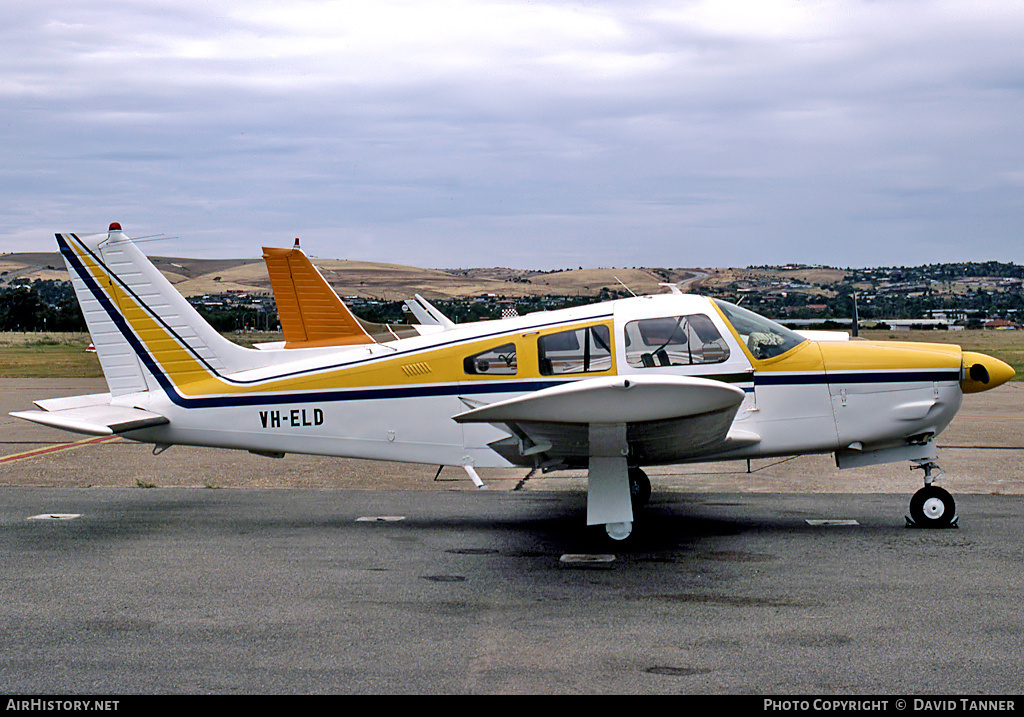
(764, 338)
(577, 351)
(674, 341)
(498, 361)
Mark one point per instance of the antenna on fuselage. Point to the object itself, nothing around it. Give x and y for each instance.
(856, 321)
(623, 285)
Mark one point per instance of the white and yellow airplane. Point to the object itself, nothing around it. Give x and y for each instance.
(610, 387)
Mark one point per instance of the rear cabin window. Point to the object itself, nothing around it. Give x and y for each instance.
(674, 341)
(498, 361)
(577, 351)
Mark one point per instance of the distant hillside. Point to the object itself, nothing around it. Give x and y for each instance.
(780, 290)
(193, 277)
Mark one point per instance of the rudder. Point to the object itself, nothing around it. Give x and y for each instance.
(146, 334)
(311, 314)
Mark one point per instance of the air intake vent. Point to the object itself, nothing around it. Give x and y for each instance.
(416, 369)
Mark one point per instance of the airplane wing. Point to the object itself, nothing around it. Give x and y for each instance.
(666, 419)
(311, 313)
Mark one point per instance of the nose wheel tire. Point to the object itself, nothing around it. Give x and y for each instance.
(618, 531)
(932, 507)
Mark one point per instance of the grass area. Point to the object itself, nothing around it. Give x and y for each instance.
(47, 355)
(63, 355)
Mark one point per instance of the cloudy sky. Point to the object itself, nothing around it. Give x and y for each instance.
(529, 134)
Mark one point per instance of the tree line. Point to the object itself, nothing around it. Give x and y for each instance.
(43, 305)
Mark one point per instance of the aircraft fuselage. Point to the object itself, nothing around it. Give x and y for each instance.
(396, 401)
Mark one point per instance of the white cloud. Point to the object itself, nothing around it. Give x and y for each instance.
(744, 132)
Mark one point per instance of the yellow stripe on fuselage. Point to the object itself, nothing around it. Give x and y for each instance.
(888, 355)
(821, 356)
(430, 366)
(805, 357)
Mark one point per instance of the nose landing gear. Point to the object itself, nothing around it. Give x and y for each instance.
(931, 507)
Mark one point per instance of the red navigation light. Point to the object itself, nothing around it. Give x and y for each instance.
(114, 227)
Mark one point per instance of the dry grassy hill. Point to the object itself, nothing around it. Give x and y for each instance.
(194, 277)
(764, 278)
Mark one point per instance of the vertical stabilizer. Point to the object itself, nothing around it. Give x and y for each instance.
(118, 359)
(427, 314)
(311, 313)
(146, 334)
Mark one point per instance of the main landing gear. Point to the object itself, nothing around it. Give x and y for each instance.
(639, 495)
(639, 488)
(931, 507)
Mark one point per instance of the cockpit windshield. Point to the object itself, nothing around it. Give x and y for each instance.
(764, 338)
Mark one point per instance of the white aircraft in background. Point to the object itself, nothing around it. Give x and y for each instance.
(312, 315)
(609, 387)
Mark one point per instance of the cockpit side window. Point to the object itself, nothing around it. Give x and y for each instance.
(763, 337)
(674, 341)
(497, 361)
(584, 350)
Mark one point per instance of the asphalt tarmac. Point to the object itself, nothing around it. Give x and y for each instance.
(237, 574)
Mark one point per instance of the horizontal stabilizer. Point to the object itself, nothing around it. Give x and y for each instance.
(613, 400)
(95, 420)
(61, 404)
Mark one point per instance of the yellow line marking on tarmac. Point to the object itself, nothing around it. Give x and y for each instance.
(55, 449)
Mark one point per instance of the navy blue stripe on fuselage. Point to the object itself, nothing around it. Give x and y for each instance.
(819, 378)
(277, 398)
(417, 391)
(367, 394)
(126, 330)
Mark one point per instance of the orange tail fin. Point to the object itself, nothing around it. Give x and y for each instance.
(311, 313)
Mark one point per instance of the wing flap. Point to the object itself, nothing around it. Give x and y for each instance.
(95, 420)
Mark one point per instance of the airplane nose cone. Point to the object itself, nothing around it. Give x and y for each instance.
(980, 372)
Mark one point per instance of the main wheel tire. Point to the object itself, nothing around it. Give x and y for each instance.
(932, 507)
(639, 488)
